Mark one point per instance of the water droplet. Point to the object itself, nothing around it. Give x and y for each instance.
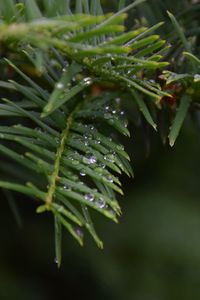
(110, 157)
(75, 162)
(89, 197)
(102, 166)
(125, 123)
(100, 203)
(120, 147)
(98, 139)
(152, 81)
(97, 142)
(79, 232)
(59, 85)
(67, 188)
(111, 121)
(86, 143)
(82, 173)
(64, 70)
(57, 140)
(122, 113)
(91, 127)
(107, 108)
(89, 159)
(56, 260)
(114, 111)
(108, 178)
(87, 81)
(112, 212)
(87, 136)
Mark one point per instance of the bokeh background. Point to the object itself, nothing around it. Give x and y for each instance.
(152, 254)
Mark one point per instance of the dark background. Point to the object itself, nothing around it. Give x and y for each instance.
(152, 254)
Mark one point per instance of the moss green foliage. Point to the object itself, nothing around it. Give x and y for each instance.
(67, 70)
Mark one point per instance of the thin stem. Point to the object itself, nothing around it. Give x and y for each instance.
(55, 174)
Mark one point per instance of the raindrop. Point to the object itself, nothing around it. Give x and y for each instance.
(97, 142)
(89, 197)
(75, 162)
(67, 188)
(79, 232)
(82, 173)
(108, 178)
(98, 139)
(87, 81)
(107, 108)
(56, 260)
(125, 123)
(112, 212)
(59, 85)
(111, 121)
(122, 113)
(152, 81)
(86, 143)
(120, 147)
(89, 159)
(91, 127)
(87, 136)
(110, 157)
(57, 140)
(102, 166)
(114, 111)
(100, 203)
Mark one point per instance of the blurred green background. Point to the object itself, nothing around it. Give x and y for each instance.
(152, 254)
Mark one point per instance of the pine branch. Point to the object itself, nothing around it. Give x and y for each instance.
(60, 127)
